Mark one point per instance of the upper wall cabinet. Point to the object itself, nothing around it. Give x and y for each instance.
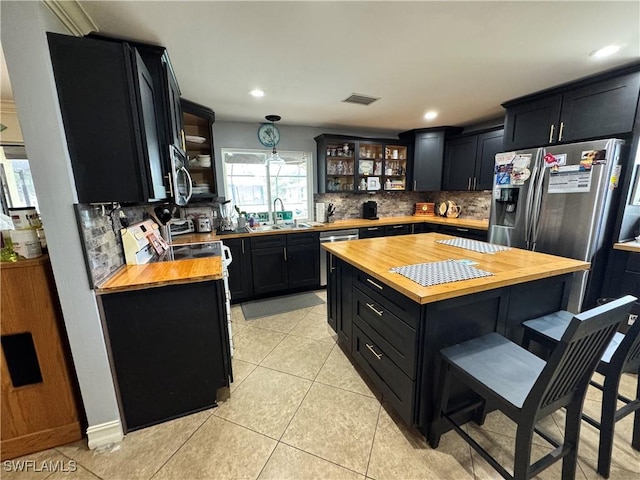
(198, 126)
(114, 119)
(427, 154)
(351, 164)
(599, 107)
(469, 161)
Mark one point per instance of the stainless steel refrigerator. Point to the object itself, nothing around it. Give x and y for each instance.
(560, 200)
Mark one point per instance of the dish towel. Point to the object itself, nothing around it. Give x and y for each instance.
(434, 273)
(475, 245)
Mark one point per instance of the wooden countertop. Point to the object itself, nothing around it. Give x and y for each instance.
(338, 225)
(137, 277)
(376, 256)
(633, 246)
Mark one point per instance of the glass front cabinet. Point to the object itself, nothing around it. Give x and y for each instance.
(350, 164)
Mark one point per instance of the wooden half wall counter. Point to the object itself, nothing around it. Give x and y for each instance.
(41, 406)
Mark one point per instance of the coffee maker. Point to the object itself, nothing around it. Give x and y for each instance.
(370, 210)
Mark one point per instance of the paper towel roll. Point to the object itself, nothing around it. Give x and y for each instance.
(321, 215)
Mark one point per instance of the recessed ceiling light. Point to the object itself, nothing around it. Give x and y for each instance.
(257, 93)
(430, 115)
(605, 51)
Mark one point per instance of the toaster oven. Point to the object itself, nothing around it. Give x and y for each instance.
(179, 226)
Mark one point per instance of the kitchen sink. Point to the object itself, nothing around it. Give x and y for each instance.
(286, 226)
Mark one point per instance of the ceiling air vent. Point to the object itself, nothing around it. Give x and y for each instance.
(360, 99)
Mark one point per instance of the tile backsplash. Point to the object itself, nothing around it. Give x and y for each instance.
(474, 205)
(100, 234)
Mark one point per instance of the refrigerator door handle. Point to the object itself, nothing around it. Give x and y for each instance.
(537, 203)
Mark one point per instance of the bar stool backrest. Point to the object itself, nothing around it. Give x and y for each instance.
(627, 356)
(574, 359)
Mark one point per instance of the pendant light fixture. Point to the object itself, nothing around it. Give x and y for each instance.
(274, 158)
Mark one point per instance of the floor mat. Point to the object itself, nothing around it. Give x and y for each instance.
(274, 306)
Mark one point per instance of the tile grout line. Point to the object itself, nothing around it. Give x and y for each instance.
(73, 459)
(373, 440)
(181, 445)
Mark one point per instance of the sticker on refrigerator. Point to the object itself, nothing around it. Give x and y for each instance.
(503, 174)
(554, 161)
(615, 177)
(593, 157)
(570, 179)
(504, 158)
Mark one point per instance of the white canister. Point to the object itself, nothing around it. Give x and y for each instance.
(26, 217)
(321, 215)
(26, 243)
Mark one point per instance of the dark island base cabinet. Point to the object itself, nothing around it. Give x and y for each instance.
(397, 341)
(169, 349)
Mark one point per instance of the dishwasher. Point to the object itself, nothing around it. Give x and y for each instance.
(333, 236)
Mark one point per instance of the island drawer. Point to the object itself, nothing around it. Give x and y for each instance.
(392, 334)
(395, 386)
(401, 306)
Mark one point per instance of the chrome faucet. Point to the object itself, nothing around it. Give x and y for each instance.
(275, 215)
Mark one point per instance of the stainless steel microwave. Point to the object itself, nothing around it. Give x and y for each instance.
(180, 184)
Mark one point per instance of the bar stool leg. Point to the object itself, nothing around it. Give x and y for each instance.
(607, 423)
(635, 442)
(522, 460)
(444, 383)
(571, 437)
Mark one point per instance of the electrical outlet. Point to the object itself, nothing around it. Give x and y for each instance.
(632, 319)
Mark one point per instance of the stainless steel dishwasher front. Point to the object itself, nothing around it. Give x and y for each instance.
(333, 236)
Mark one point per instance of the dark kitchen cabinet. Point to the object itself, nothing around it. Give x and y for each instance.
(339, 299)
(427, 155)
(285, 262)
(198, 122)
(371, 232)
(346, 164)
(240, 270)
(469, 161)
(402, 229)
(597, 107)
(268, 260)
(471, 233)
(303, 260)
(169, 348)
(110, 109)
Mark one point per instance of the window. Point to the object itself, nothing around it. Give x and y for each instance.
(15, 177)
(252, 182)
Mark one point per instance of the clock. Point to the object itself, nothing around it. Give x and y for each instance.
(268, 134)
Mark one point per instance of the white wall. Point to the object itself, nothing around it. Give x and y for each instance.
(9, 118)
(24, 42)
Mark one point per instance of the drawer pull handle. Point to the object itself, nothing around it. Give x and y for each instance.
(372, 307)
(373, 229)
(370, 347)
(374, 283)
(398, 226)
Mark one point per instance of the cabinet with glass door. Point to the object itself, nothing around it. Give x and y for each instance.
(382, 166)
(395, 167)
(340, 166)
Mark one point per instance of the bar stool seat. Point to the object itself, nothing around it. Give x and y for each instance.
(622, 355)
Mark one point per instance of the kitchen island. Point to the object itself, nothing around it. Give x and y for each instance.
(394, 328)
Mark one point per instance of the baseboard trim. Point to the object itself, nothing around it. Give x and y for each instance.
(105, 434)
(37, 441)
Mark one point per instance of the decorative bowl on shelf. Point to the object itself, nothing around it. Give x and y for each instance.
(194, 139)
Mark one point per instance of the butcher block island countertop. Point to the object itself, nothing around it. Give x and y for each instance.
(376, 256)
(137, 277)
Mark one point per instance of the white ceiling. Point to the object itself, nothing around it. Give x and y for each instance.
(462, 59)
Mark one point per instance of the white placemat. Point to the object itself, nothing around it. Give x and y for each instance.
(475, 245)
(435, 273)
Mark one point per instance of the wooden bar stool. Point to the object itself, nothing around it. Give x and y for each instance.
(621, 356)
(526, 388)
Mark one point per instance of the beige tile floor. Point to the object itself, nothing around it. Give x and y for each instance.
(299, 409)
